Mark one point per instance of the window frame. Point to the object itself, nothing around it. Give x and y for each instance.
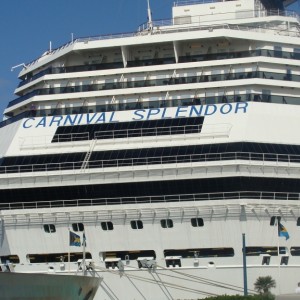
(49, 228)
(78, 227)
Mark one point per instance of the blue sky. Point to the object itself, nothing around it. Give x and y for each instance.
(28, 26)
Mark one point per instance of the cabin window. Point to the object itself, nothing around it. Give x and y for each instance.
(107, 226)
(284, 260)
(272, 251)
(266, 96)
(136, 224)
(173, 262)
(199, 252)
(166, 223)
(277, 51)
(298, 222)
(295, 251)
(129, 255)
(49, 228)
(296, 53)
(210, 98)
(10, 259)
(288, 75)
(57, 257)
(78, 227)
(112, 259)
(197, 222)
(274, 220)
(266, 260)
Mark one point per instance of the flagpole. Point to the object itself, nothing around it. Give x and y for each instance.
(278, 264)
(278, 249)
(245, 266)
(69, 254)
(83, 258)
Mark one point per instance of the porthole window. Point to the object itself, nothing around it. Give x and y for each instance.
(107, 226)
(197, 222)
(78, 227)
(136, 224)
(49, 228)
(166, 223)
(274, 220)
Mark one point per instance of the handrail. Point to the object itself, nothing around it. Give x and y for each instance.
(182, 198)
(257, 97)
(71, 137)
(155, 61)
(161, 160)
(198, 19)
(144, 26)
(151, 131)
(157, 82)
(192, 2)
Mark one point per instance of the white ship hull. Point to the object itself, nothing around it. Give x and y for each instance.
(160, 149)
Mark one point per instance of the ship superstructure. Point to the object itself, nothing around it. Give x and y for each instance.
(162, 147)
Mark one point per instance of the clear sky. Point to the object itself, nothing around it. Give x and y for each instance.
(28, 26)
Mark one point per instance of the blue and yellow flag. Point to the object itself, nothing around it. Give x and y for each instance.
(74, 239)
(282, 231)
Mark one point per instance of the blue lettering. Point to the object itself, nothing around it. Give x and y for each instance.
(225, 111)
(214, 109)
(112, 117)
(181, 109)
(101, 118)
(241, 105)
(42, 122)
(69, 119)
(138, 113)
(56, 119)
(25, 122)
(88, 119)
(80, 119)
(164, 114)
(153, 112)
(194, 110)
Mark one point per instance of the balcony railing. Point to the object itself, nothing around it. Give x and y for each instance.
(163, 61)
(147, 161)
(198, 26)
(181, 198)
(157, 82)
(153, 104)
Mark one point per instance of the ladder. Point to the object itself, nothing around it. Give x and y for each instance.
(88, 155)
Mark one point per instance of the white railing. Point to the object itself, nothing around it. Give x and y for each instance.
(182, 198)
(166, 22)
(192, 2)
(47, 140)
(209, 130)
(147, 161)
(144, 132)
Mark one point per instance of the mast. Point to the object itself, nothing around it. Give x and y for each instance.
(150, 24)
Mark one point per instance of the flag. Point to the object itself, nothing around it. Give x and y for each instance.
(282, 231)
(74, 239)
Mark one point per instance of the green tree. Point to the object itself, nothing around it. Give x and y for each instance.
(263, 285)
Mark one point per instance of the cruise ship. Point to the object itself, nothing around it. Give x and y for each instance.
(168, 151)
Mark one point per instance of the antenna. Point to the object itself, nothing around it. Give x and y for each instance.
(150, 24)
